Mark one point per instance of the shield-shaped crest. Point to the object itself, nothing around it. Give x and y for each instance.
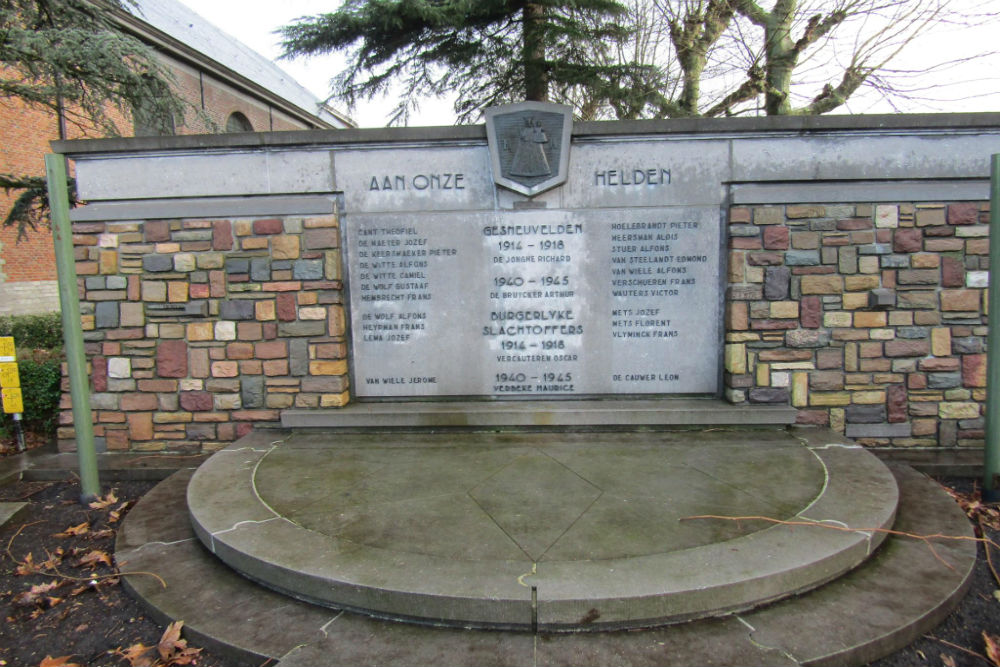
(529, 145)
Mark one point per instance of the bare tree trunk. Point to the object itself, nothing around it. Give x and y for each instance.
(536, 80)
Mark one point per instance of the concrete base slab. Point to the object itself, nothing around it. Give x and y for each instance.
(10, 511)
(558, 532)
(879, 607)
(593, 414)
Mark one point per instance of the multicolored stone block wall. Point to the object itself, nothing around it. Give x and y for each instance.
(197, 330)
(868, 318)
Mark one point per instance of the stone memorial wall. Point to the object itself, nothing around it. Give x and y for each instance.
(835, 265)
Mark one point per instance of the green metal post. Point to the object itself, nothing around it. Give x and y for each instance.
(69, 300)
(991, 471)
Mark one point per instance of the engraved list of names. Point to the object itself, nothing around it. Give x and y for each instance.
(537, 303)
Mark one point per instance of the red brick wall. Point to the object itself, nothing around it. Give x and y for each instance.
(27, 131)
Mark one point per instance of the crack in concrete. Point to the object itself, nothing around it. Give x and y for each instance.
(534, 571)
(155, 543)
(762, 646)
(241, 523)
(328, 624)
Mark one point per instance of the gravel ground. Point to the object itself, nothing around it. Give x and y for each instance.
(61, 597)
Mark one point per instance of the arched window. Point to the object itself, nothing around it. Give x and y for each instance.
(237, 122)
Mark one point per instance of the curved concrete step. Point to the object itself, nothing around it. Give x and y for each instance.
(881, 606)
(541, 531)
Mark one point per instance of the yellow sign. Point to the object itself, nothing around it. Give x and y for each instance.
(7, 352)
(12, 403)
(9, 377)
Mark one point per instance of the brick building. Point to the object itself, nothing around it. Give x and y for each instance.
(231, 89)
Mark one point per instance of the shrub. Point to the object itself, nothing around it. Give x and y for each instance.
(40, 389)
(34, 331)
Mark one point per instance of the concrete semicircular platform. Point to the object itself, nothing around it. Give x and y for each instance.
(545, 531)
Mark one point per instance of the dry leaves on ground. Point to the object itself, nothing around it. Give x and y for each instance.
(171, 650)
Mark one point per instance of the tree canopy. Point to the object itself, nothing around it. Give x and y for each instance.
(487, 52)
(623, 58)
(71, 57)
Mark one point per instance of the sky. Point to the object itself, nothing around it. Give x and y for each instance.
(973, 87)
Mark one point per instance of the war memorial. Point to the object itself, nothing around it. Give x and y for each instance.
(544, 392)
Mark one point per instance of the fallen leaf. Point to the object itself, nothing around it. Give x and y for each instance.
(992, 647)
(104, 502)
(171, 640)
(101, 534)
(174, 650)
(49, 661)
(27, 566)
(948, 660)
(138, 655)
(73, 531)
(94, 558)
(36, 593)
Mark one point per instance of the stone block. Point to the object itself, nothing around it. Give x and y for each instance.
(772, 395)
(235, 265)
(870, 319)
(799, 211)
(878, 430)
(131, 314)
(807, 338)
(907, 348)
(944, 245)
(225, 369)
(328, 367)
(200, 331)
(917, 299)
(886, 216)
(158, 263)
(802, 258)
(222, 235)
(309, 328)
(155, 231)
(324, 238)
(119, 367)
(776, 282)
(276, 349)
(861, 282)
(768, 215)
(967, 345)
(106, 315)
(765, 259)
(881, 297)
(865, 414)
(184, 262)
(774, 237)
(941, 341)
(930, 216)
(822, 284)
(964, 300)
(963, 213)
(958, 410)
(225, 330)
(171, 359)
(977, 279)
(196, 401)
(974, 370)
(260, 269)
(943, 380)
(907, 240)
(242, 309)
(268, 226)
